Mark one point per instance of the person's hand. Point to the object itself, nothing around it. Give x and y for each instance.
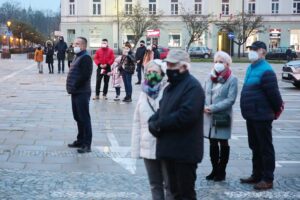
(154, 129)
(277, 114)
(207, 110)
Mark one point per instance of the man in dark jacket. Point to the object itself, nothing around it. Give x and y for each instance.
(61, 48)
(79, 86)
(260, 103)
(178, 126)
(139, 57)
(155, 51)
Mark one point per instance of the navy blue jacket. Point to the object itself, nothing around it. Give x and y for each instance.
(180, 120)
(80, 73)
(260, 96)
(61, 48)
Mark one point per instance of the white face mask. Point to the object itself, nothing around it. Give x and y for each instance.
(125, 52)
(77, 50)
(219, 67)
(104, 45)
(253, 56)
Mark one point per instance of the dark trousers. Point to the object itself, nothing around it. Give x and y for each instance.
(139, 69)
(118, 91)
(81, 114)
(50, 66)
(61, 62)
(182, 178)
(99, 80)
(127, 78)
(69, 63)
(263, 154)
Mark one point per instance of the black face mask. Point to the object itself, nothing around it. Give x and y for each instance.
(141, 45)
(39, 48)
(174, 76)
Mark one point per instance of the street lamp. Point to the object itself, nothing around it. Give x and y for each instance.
(8, 23)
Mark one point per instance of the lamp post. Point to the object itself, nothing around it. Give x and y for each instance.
(118, 19)
(8, 23)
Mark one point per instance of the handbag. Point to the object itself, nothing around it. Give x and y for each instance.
(221, 120)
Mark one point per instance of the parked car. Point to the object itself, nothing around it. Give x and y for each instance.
(280, 54)
(202, 52)
(163, 52)
(291, 73)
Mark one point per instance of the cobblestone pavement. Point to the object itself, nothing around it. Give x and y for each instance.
(36, 124)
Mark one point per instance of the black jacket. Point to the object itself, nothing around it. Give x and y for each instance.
(49, 54)
(80, 73)
(61, 48)
(156, 53)
(140, 52)
(179, 122)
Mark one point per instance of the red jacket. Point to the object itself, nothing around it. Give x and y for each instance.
(104, 56)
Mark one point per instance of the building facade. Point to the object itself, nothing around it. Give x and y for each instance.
(98, 19)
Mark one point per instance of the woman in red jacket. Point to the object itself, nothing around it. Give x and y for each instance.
(104, 58)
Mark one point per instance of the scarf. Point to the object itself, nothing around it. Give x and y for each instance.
(153, 91)
(220, 77)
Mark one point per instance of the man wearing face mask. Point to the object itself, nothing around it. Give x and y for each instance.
(261, 103)
(79, 86)
(104, 58)
(139, 56)
(178, 126)
(155, 51)
(61, 48)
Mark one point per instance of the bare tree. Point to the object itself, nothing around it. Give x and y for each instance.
(139, 21)
(243, 26)
(196, 25)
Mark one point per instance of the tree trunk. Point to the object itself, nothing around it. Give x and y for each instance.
(189, 44)
(239, 50)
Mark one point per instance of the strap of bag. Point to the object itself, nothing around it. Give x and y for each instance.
(150, 105)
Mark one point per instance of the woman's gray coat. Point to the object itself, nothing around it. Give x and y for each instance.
(219, 97)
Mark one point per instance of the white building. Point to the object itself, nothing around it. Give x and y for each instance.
(98, 19)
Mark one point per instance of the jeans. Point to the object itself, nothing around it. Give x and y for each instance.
(182, 178)
(127, 77)
(40, 66)
(61, 61)
(99, 80)
(139, 69)
(158, 179)
(81, 114)
(50, 66)
(263, 154)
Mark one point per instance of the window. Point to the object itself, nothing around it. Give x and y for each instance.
(96, 7)
(275, 6)
(174, 40)
(152, 7)
(174, 7)
(296, 7)
(72, 7)
(71, 35)
(198, 7)
(251, 6)
(225, 7)
(128, 7)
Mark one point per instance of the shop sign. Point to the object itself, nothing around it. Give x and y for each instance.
(153, 33)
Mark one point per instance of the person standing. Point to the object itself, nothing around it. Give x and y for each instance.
(149, 55)
(220, 94)
(178, 126)
(288, 54)
(39, 58)
(104, 58)
(261, 103)
(127, 70)
(61, 48)
(49, 57)
(143, 144)
(116, 77)
(139, 56)
(71, 54)
(155, 51)
(79, 86)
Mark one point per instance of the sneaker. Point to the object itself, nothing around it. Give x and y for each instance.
(104, 97)
(96, 98)
(117, 98)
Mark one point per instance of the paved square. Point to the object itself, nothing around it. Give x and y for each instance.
(36, 124)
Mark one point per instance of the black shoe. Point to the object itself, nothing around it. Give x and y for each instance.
(249, 180)
(138, 83)
(75, 144)
(127, 100)
(84, 149)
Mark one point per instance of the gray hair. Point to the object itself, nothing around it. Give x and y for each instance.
(156, 63)
(224, 56)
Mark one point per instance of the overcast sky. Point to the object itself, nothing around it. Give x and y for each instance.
(37, 4)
